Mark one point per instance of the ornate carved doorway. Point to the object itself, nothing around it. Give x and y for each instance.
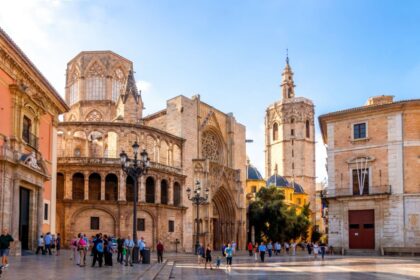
(223, 218)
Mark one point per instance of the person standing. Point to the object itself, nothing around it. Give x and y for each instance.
(98, 250)
(323, 248)
(48, 240)
(73, 246)
(208, 257)
(81, 245)
(120, 243)
(316, 250)
(40, 245)
(5, 240)
(159, 250)
(201, 254)
(309, 248)
(58, 245)
(293, 245)
(128, 245)
(229, 256)
(234, 247)
(142, 247)
(256, 252)
(262, 249)
(286, 246)
(277, 248)
(53, 240)
(250, 247)
(270, 249)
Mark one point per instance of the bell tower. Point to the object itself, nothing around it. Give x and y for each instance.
(287, 83)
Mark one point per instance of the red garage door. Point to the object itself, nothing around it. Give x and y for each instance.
(362, 229)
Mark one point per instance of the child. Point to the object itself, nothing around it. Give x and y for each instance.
(218, 261)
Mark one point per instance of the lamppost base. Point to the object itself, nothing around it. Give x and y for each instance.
(136, 254)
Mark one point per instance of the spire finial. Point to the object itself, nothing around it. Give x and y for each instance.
(287, 56)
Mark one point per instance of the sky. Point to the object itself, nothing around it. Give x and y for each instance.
(232, 52)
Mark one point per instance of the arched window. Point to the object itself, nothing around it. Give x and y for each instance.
(60, 186)
(308, 132)
(74, 89)
(95, 83)
(177, 194)
(95, 186)
(129, 188)
(164, 192)
(117, 84)
(275, 131)
(150, 190)
(78, 186)
(289, 92)
(111, 187)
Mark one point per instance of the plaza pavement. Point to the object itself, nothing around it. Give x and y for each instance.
(184, 266)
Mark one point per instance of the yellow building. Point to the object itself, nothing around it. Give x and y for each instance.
(254, 182)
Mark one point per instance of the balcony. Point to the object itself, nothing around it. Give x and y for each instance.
(347, 192)
(30, 139)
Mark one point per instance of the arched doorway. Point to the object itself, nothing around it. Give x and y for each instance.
(164, 192)
(223, 218)
(150, 190)
(111, 187)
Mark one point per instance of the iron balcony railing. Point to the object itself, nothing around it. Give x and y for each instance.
(348, 192)
(30, 139)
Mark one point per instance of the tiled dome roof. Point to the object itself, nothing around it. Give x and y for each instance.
(278, 181)
(253, 173)
(298, 188)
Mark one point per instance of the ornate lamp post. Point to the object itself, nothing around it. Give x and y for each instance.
(197, 199)
(135, 168)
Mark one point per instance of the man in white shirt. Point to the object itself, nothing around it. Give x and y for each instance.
(128, 245)
(40, 245)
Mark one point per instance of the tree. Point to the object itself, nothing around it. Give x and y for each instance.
(274, 220)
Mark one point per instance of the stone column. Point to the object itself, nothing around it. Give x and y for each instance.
(142, 189)
(40, 214)
(68, 187)
(14, 230)
(121, 186)
(102, 186)
(171, 191)
(86, 185)
(157, 190)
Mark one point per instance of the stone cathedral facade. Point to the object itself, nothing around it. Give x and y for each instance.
(290, 140)
(186, 141)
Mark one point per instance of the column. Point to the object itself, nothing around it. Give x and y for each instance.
(68, 187)
(142, 189)
(15, 209)
(102, 186)
(171, 191)
(121, 187)
(86, 186)
(40, 215)
(157, 190)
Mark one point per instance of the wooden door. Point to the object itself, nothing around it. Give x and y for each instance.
(362, 229)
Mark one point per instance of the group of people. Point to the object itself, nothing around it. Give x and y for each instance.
(204, 254)
(260, 250)
(49, 243)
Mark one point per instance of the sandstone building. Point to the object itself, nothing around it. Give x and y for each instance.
(186, 141)
(29, 109)
(373, 175)
(290, 140)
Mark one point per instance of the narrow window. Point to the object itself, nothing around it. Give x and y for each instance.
(171, 226)
(292, 132)
(26, 129)
(293, 165)
(275, 131)
(94, 223)
(359, 131)
(45, 211)
(293, 153)
(141, 224)
(308, 132)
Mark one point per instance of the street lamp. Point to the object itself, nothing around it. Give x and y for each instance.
(197, 199)
(135, 168)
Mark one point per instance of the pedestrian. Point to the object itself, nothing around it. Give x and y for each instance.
(120, 243)
(107, 250)
(286, 246)
(86, 239)
(223, 249)
(58, 245)
(48, 241)
(53, 240)
(270, 249)
(309, 248)
(142, 246)
(128, 245)
(81, 244)
(256, 251)
(262, 249)
(316, 248)
(277, 248)
(229, 256)
(293, 245)
(40, 245)
(5, 240)
(323, 250)
(201, 254)
(159, 250)
(98, 250)
(234, 247)
(73, 246)
(208, 257)
(218, 261)
(250, 247)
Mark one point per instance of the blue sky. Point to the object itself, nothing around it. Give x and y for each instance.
(232, 52)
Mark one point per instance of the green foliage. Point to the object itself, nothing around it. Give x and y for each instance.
(274, 220)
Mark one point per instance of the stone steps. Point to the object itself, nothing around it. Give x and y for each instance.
(361, 252)
(152, 272)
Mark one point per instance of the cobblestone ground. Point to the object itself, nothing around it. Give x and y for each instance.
(184, 266)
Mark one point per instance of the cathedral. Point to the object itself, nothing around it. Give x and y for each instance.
(290, 141)
(189, 140)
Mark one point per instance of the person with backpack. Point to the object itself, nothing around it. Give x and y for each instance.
(98, 250)
(128, 245)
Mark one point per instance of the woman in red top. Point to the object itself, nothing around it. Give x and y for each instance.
(159, 249)
(250, 247)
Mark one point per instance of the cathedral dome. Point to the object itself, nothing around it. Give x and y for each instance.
(253, 173)
(277, 180)
(298, 188)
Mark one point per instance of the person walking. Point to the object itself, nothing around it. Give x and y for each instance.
(323, 248)
(128, 245)
(293, 245)
(40, 245)
(120, 243)
(107, 250)
(201, 254)
(48, 241)
(5, 240)
(250, 247)
(208, 257)
(81, 244)
(287, 247)
(58, 245)
(159, 250)
(142, 246)
(270, 249)
(309, 248)
(229, 256)
(316, 250)
(262, 249)
(256, 251)
(98, 250)
(277, 248)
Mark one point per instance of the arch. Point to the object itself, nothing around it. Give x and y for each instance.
(96, 144)
(94, 116)
(95, 81)
(177, 156)
(150, 147)
(308, 131)
(80, 221)
(212, 147)
(164, 192)
(129, 186)
(224, 217)
(177, 194)
(275, 131)
(112, 144)
(95, 186)
(163, 152)
(150, 227)
(60, 186)
(111, 187)
(78, 186)
(118, 79)
(150, 190)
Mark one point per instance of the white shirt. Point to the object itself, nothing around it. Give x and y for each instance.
(41, 242)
